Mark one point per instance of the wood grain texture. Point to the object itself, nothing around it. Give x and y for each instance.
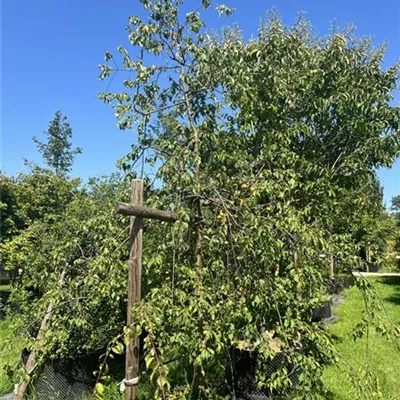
(144, 212)
(134, 287)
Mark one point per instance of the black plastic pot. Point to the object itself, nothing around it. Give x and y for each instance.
(336, 285)
(346, 282)
(332, 285)
(4, 275)
(322, 312)
(374, 268)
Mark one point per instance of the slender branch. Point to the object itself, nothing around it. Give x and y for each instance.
(26, 329)
(197, 160)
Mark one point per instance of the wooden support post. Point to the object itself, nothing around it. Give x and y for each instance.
(137, 212)
(368, 257)
(332, 267)
(144, 212)
(134, 289)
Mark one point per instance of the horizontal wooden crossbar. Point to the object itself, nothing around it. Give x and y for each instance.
(144, 212)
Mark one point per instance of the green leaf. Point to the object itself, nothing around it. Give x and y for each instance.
(99, 388)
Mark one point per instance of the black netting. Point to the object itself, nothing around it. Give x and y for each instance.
(66, 379)
(69, 378)
(72, 379)
(242, 370)
(337, 284)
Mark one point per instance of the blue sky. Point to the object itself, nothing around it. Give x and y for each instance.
(51, 49)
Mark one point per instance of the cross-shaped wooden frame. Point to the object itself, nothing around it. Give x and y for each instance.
(137, 212)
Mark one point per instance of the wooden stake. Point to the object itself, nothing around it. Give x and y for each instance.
(332, 267)
(368, 257)
(137, 212)
(134, 289)
(144, 212)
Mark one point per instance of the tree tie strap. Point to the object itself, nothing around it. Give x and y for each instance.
(128, 383)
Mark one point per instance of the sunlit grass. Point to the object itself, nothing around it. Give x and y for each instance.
(382, 356)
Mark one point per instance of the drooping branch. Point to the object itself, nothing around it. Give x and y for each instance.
(197, 161)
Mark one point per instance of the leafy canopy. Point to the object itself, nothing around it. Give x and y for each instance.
(260, 146)
(267, 151)
(396, 206)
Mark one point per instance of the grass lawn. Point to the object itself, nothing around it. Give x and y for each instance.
(4, 288)
(383, 355)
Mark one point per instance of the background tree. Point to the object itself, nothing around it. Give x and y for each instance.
(42, 194)
(396, 207)
(57, 152)
(363, 215)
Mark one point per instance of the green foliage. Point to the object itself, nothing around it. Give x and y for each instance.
(38, 196)
(28, 200)
(396, 210)
(267, 151)
(374, 227)
(87, 244)
(41, 194)
(57, 152)
(260, 147)
(396, 206)
(11, 222)
(9, 355)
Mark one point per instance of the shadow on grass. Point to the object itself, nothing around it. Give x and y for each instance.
(390, 280)
(331, 396)
(394, 299)
(393, 281)
(336, 338)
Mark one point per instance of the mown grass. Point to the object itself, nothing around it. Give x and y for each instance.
(383, 356)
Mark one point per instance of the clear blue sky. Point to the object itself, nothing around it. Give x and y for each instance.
(51, 49)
